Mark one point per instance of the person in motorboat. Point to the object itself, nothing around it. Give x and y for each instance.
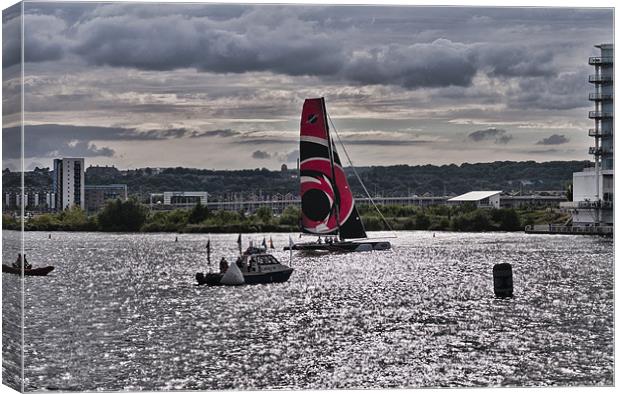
(223, 265)
(18, 263)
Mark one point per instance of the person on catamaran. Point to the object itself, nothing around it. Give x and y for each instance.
(320, 241)
(223, 265)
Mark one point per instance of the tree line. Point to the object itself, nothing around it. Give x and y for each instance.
(132, 216)
(399, 180)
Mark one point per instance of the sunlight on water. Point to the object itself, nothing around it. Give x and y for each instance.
(122, 312)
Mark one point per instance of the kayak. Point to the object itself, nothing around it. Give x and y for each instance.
(42, 271)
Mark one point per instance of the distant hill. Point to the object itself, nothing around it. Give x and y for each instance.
(399, 180)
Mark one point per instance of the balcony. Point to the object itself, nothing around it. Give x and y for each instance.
(599, 133)
(600, 78)
(600, 60)
(600, 115)
(599, 151)
(600, 96)
(594, 133)
(594, 151)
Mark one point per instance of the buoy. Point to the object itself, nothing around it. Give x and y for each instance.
(49, 236)
(232, 276)
(176, 239)
(502, 280)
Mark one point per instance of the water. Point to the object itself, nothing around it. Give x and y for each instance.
(121, 312)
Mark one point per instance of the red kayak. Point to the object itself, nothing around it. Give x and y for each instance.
(28, 272)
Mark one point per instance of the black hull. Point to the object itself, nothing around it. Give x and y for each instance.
(342, 247)
(28, 272)
(250, 279)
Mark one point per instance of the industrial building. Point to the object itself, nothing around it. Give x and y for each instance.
(68, 182)
(178, 199)
(97, 195)
(593, 188)
(482, 199)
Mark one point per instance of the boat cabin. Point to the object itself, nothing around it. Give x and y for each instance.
(258, 263)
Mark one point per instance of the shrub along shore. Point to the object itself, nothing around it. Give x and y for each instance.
(131, 216)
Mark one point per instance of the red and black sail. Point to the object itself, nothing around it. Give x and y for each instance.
(327, 203)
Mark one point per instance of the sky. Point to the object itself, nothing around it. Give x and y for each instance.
(221, 86)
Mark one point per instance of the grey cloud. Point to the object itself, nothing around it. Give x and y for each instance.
(382, 142)
(44, 39)
(11, 36)
(49, 145)
(561, 92)
(265, 141)
(259, 154)
(282, 40)
(440, 63)
(550, 151)
(554, 139)
(498, 136)
(509, 60)
(213, 133)
(504, 139)
(174, 41)
(54, 140)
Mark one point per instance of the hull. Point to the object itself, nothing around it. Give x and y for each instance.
(342, 247)
(250, 278)
(30, 272)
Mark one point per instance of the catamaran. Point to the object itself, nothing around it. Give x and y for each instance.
(327, 203)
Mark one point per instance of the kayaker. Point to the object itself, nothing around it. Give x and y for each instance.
(26, 264)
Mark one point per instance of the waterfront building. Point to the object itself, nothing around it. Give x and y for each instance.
(531, 201)
(36, 200)
(185, 199)
(482, 199)
(68, 182)
(95, 196)
(593, 188)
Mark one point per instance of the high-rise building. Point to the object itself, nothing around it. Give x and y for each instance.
(593, 188)
(68, 182)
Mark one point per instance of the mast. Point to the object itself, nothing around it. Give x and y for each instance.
(331, 161)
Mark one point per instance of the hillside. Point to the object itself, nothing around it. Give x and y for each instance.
(397, 180)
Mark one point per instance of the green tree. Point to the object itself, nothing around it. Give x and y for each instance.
(506, 219)
(290, 216)
(120, 215)
(422, 222)
(264, 214)
(74, 218)
(198, 214)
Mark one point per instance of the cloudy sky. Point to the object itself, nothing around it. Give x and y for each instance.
(221, 86)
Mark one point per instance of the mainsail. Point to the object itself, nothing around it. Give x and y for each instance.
(327, 203)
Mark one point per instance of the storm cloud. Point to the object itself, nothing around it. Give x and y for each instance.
(211, 84)
(498, 136)
(555, 139)
(277, 40)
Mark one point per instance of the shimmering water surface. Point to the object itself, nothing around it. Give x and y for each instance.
(121, 312)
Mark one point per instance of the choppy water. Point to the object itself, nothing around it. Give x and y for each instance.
(121, 312)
